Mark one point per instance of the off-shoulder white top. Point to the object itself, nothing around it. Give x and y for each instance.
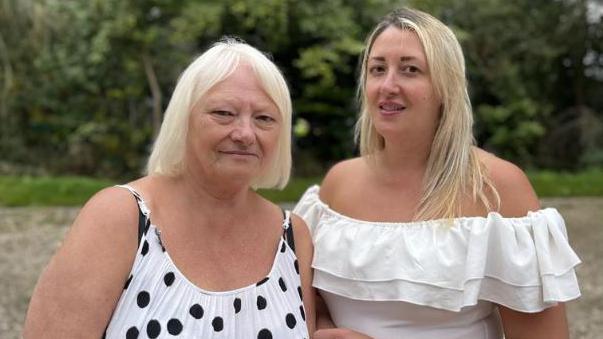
(437, 278)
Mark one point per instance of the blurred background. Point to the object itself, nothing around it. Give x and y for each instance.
(83, 83)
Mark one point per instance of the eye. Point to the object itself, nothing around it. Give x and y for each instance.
(222, 116)
(376, 69)
(265, 119)
(221, 113)
(410, 69)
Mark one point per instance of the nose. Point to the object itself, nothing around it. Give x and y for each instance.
(243, 132)
(390, 83)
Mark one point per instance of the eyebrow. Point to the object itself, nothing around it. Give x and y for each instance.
(402, 58)
(234, 101)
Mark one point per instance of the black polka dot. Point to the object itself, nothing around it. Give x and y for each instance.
(262, 281)
(282, 284)
(168, 279)
(132, 333)
(283, 248)
(153, 329)
(143, 299)
(217, 324)
(237, 305)
(296, 265)
(261, 302)
(174, 326)
(301, 311)
(265, 334)
(290, 319)
(128, 282)
(145, 248)
(196, 311)
(299, 291)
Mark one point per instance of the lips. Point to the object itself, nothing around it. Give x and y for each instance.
(239, 152)
(389, 107)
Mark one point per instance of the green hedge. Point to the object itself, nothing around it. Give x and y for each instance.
(48, 191)
(555, 184)
(74, 191)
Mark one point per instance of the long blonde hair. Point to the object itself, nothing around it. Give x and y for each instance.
(453, 168)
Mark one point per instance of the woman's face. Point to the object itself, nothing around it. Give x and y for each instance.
(234, 129)
(400, 96)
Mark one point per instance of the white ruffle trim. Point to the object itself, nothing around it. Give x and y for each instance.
(522, 263)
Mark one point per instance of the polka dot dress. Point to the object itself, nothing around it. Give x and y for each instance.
(158, 301)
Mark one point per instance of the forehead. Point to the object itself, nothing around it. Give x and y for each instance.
(398, 42)
(241, 84)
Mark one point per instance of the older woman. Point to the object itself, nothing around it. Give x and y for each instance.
(425, 235)
(214, 259)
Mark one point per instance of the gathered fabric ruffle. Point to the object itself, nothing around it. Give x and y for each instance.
(524, 263)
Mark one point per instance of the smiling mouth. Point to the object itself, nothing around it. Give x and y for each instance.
(240, 153)
(389, 108)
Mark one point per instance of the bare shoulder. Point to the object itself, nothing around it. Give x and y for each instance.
(109, 217)
(339, 175)
(79, 288)
(114, 207)
(301, 231)
(517, 196)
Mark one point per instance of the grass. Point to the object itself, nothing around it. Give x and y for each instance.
(293, 191)
(48, 191)
(555, 184)
(74, 191)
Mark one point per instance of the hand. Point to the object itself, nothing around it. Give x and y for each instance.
(339, 333)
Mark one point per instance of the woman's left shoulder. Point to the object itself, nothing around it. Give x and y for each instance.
(517, 196)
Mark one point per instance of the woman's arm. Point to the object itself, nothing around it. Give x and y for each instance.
(323, 317)
(326, 328)
(77, 292)
(304, 250)
(548, 324)
(339, 333)
(518, 198)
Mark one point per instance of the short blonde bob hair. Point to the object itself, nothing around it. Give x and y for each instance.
(453, 169)
(213, 66)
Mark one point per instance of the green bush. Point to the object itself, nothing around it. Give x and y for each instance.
(48, 191)
(560, 184)
(74, 191)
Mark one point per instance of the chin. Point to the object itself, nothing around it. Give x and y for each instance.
(239, 173)
(385, 130)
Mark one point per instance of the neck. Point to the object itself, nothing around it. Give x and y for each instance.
(215, 192)
(404, 156)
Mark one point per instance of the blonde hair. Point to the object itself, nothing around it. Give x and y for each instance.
(213, 66)
(453, 168)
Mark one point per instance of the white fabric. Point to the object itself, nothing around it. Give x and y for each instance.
(451, 264)
(159, 301)
(400, 320)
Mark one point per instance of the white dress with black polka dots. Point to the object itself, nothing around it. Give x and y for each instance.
(158, 301)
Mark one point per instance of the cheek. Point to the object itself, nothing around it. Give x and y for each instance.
(371, 90)
(426, 94)
(271, 140)
(269, 143)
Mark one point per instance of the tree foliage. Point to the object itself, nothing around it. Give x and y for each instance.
(83, 83)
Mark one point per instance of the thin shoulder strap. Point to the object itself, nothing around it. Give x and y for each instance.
(288, 229)
(144, 214)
